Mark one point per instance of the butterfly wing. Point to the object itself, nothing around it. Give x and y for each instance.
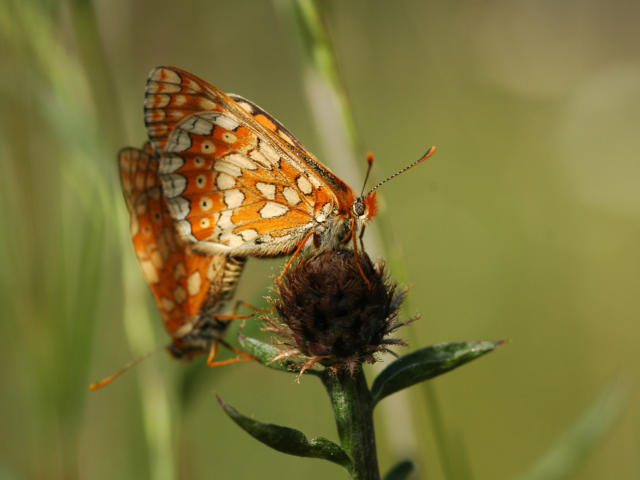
(184, 283)
(235, 180)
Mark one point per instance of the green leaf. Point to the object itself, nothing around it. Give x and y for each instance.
(574, 444)
(263, 352)
(400, 471)
(427, 363)
(288, 440)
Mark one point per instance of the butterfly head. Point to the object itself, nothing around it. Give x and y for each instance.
(364, 208)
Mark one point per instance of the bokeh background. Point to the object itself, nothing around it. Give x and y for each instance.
(524, 226)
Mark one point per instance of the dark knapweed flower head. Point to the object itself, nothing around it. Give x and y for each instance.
(331, 315)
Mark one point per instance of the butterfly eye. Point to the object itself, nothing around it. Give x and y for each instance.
(358, 208)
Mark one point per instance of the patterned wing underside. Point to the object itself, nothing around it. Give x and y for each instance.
(235, 180)
(172, 94)
(185, 284)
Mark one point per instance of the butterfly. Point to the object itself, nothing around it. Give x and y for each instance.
(236, 181)
(190, 288)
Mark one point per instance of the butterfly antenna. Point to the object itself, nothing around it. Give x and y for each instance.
(366, 177)
(427, 154)
(106, 381)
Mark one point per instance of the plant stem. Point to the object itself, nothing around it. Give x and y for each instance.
(353, 410)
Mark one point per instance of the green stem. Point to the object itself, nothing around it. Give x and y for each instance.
(353, 410)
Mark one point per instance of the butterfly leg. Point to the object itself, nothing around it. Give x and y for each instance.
(234, 313)
(241, 356)
(355, 252)
(360, 237)
(295, 254)
(251, 307)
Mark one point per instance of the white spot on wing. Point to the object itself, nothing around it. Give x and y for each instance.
(249, 234)
(224, 181)
(193, 283)
(304, 185)
(272, 209)
(269, 153)
(179, 295)
(285, 137)
(316, 183)
(154, 87)
(179, 141)
(169, 163)
(178, 207)
(322, 215)
(149, 271)
(206, 104)
(206, 203)
(207, 147)
(198, 125)
(134, 225)
(227, 167)
(183, 229)
(166, 304)
(231, 239)
(165, 75)
(256, 155)
(246, 107)
(179, 271)
(224, 222)
(267, 189)
(156, 100)
(173, 184)
(226, 122)
(156, 259)
(241, 161)
(233, 198)
(154, 115)
(229, 138)
(291, 195)
(179, 100)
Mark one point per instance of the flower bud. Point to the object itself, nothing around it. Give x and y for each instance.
(332, 315)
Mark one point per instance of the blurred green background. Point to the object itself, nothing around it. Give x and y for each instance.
(524, 226)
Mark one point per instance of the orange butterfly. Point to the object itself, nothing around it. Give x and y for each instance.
(189, 288)
(236, 182)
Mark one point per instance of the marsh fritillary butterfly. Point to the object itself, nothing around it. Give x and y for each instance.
(189, 288)
(237, 182)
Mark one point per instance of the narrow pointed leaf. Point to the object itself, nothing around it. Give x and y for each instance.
(265, 353)
(400, 471)
(288, 440)
(427, 363)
